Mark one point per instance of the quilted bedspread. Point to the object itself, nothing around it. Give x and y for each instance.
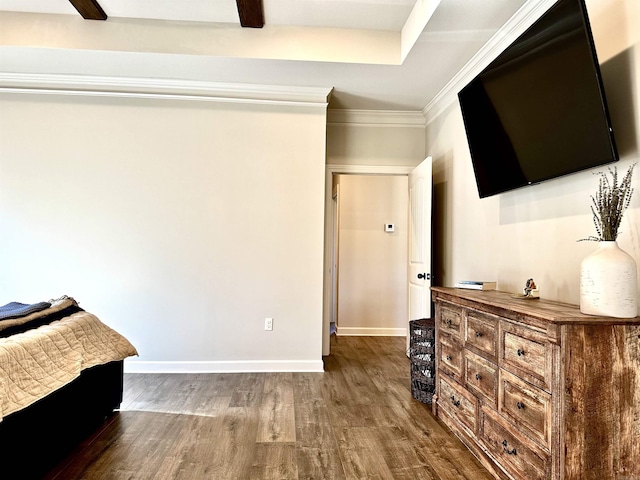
(37, 362)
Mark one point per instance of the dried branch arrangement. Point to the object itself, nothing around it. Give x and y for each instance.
(609, 204)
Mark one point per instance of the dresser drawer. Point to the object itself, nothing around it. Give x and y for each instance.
(481, 377)
(481, 333)
(519, 457)
(526, 353)
(450, 319)
(459, 403)
(526, 406)
(451, 356)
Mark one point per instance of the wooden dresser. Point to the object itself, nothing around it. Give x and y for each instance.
(535, 389)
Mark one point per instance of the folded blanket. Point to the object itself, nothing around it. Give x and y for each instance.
(59, 308)
(37, 362)
(16, 309)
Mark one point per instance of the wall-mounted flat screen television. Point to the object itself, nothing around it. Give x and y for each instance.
(539, 111)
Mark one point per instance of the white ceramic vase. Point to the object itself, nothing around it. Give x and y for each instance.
(608, 283)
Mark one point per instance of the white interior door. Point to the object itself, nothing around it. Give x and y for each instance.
(419, 268)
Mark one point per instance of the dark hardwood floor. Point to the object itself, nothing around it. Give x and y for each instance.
(355, 421)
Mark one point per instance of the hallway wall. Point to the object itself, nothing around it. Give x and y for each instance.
(372, 288)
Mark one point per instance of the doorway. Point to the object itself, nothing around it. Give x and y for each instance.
(330, 224)
(370, 249)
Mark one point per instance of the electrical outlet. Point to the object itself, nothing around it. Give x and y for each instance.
(268, 323)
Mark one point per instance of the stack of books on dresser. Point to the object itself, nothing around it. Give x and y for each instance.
(476, 285)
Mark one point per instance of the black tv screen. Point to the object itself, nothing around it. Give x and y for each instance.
(538, 111)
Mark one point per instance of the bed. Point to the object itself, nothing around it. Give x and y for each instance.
(61, 372)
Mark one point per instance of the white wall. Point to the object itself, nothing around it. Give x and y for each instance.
(359, 141)
(182, 224)
(532, 232)
(372, 296)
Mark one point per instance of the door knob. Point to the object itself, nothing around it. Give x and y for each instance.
(426, 276)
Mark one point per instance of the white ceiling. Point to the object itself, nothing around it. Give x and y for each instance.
(455, 32)
(367, 14)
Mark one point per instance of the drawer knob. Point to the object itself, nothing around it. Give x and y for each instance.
(456, 403)
(478, 334)
(478, 376)
(506, 449)
(448, 358)
(520, 405)
(520, 353)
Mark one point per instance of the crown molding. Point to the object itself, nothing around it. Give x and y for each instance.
(386, 118)
(515, 26)
(158, 88)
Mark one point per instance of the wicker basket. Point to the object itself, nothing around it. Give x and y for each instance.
(422, 355)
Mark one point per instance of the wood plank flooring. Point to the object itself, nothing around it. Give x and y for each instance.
(355, 421)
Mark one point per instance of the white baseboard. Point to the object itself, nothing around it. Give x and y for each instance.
(241, 366)
(371, 332)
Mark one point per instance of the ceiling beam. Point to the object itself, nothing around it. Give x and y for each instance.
(251, 13)
(89, 9)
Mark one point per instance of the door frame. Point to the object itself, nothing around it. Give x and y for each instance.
(335, 211)
(332, 170)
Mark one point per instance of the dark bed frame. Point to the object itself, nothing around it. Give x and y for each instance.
(35, 439)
